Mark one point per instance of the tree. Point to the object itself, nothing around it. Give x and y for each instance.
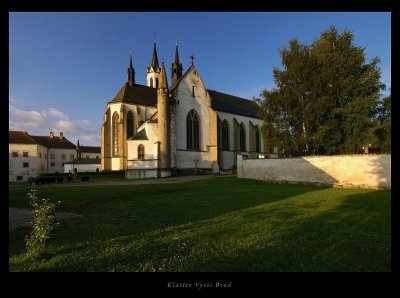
(380, 134)
(325, 100)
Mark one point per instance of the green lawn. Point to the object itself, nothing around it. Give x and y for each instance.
(216, 224)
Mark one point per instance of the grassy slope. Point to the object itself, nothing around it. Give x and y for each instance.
(217, 224)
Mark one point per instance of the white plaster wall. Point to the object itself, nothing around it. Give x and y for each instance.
(81, 167)
(15, 167)
(227, 159)
(58, 162)
(229, 117)
(150, 149)
(186, 159)
(185, 103)
(90, 155)
(358, 171)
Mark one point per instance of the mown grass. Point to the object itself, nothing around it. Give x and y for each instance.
(217, 224)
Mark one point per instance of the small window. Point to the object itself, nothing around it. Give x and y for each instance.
(52, 156)
(71, 156)
(26, 164)
(45, 156)
(62, 164)
(15, 154)
(52, 164)
(62, 155)
(40, 154)
(19, 178)
(25, 154)
(141, 152)
(97, 156)
(193, 91)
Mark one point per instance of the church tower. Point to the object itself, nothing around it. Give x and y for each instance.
(153, 71)
(131, 73)
(163, 125)
(176, 68)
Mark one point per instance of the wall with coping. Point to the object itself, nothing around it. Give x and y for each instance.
(350, 171)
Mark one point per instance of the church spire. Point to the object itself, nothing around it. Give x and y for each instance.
(163, 84)
(154, 60)
(176, 69)
(131, 73)
(78, 150)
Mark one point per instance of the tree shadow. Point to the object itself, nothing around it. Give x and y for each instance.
(354, 236)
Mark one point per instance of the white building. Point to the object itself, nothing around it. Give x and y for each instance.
(30, 156)
(157, 131)
(87, 160)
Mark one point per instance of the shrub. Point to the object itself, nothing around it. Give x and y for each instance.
(43, 223)
(85, 178)
(69, 179)
(60, 179)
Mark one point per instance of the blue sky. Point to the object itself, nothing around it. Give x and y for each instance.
(64, 67)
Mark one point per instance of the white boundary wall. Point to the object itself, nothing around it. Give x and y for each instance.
(351, 171)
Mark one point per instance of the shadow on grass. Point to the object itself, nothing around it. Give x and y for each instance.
(354, 236)
(303, 233)
(133, 211)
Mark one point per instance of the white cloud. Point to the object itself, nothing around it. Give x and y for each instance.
(58, 114)
(41, 123)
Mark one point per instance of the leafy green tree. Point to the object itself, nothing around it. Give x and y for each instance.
(380, 134)
(325, 100)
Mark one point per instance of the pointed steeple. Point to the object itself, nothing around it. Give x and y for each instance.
(163, 84)
(131, 73)
(78, 150)
(176, 69)
(176, 54)
(154, 60)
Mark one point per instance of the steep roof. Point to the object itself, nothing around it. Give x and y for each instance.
(232, 104)
(227, 103)
(19, 137)
(53, 142)
(141, 135)
(90, 149)
(136, 94)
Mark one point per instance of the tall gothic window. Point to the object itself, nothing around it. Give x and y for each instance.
(140, 152)
(225, 135)
(242, 138)
(192, 131)
(129, 125)
(115, 133)
(257, 139)
(151, 82)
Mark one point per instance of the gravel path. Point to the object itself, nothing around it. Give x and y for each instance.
(19, 217)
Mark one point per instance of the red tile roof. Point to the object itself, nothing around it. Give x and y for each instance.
(90, 149)
(54, 142)
(19, 137)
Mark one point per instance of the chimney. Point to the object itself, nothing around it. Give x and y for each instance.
(51, 134)
(61, 135)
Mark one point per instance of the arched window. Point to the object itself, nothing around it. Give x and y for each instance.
(225, 135)
(151, 82)
(129, 125)
(156, 82)
(115, 133)
(192, 131)
(257, 139)
(242, 138)
(140, 152)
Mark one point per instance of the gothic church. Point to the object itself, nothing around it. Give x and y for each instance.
(160, 130)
